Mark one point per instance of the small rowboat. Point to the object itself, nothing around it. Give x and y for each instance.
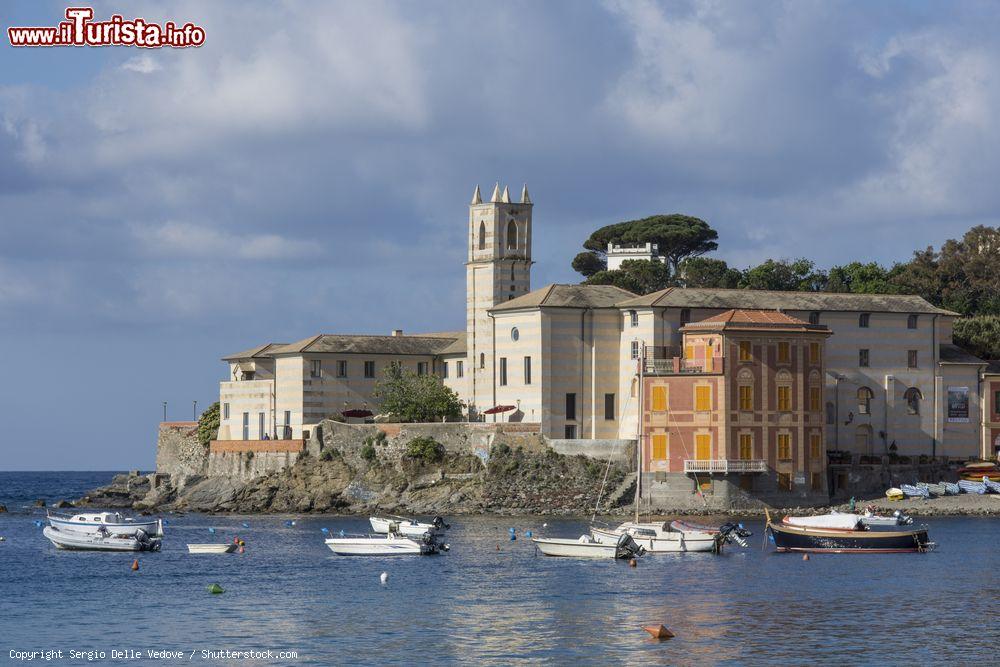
(971, 487)
(789, 537)
(212, 548)
(911, 491)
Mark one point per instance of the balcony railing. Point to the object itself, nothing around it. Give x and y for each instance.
(724, 466)
(681, 366)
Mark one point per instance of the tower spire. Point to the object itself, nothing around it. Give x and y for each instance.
(525, 199)
(505, 197)
(496, 193)
(477, 198)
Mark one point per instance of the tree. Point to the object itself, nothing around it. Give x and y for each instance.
(676, 236)
(858, 278)
(589, 262)
(979, 335)
(708, 272)
(415, 398)
(208, 425)
(635, 275)
(798, 275)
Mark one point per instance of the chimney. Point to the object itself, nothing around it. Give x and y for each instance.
(397, 332)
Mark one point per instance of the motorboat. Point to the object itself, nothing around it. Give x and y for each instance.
(391, 544)
(791, 537)
(658, 537)
(111, 521)
(405, 526)
(101, 540)
(834, 521)
(623, 546)
(682, 526)
(212, 548)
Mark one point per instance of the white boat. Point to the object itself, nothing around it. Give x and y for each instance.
(392, 544)
(659, 538)
(110, 521)
(586, 547)
(212, 548)
(826, 521)
(103, 540)
(405, 526)
(870, 518)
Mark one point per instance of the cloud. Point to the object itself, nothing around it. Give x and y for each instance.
(141, 64)
(186, 240)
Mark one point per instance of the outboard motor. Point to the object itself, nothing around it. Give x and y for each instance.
(733, 533)
(627, 547)
(902, 519)
(439, 523)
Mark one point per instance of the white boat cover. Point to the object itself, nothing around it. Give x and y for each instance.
(838, 521)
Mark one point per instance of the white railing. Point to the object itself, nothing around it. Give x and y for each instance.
(726, 465)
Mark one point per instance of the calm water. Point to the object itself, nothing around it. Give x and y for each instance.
(478, 604)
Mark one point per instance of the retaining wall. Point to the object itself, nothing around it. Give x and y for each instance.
(178, 451)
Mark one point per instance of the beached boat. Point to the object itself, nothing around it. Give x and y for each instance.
(586, 547)
(212, 548)
(912, 491)
(894, 494)
(971, 487)
(659, 538)
(392, 544)
(113, 522)
(951, 488)
(934, 489)
(789, 537)
(102, 540)
(991, 486)
(405, 526)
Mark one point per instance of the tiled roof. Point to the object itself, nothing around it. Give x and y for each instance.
(741, 319)
(953, 354)
(568, 296)
(259, 352)
(348, 344)
(699, 297)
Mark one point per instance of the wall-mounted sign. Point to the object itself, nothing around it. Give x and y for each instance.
(958, 404)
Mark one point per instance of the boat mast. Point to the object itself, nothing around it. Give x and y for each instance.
(638, 435)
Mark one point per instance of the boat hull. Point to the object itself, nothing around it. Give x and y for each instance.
(375, 546)
(664, 542)
(211, 548)
(792, 538)
(570, 548)
(382, 525)
(76, 541)
(80, 524)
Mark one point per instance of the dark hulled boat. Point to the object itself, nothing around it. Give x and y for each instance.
(798, 538)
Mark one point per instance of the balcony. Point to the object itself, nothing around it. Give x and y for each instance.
(681, 366)
(726, 466)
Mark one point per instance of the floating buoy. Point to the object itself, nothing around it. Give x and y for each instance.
(658, 631)
(236, 539)
(215, 589)
(805, 556)
(246, 525)
(545, 525)
(242, 543)
(38, 523)
(242, 550)
(212, 530)
(135, 565)
(632, 562)
(527, 534)
(384, 577)
(324, 530)
(2, 538)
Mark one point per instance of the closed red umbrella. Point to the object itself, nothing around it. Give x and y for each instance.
(357, 413)
(497, 409)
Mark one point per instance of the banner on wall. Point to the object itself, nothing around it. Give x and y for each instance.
(958, 404)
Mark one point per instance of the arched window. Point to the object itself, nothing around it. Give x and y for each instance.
(913, 398)
(482, 236)
(633, 317)
(865, 396)
(911, 322)
(511, 235)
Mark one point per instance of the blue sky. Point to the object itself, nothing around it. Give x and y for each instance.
(308, 171)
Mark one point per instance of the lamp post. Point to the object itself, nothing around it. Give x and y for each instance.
(164, 411)
(194, 411)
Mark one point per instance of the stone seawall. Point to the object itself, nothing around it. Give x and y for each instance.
(178, 452)
(247, 465)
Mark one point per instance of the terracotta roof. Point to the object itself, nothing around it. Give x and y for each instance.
(568, 296)
(953, 354)
(698, 297)
(259, 352)
(739, 315)
(742, 319)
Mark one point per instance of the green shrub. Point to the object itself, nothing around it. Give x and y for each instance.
(425, 449)
(329, 454)
(499, 449)
(208, 425)
(368, 452)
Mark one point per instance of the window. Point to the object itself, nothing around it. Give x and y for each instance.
(659, 447)
(444, 370)
(911, 358)
(635, 349)
(865, 401)
(459, 369)
(527, 370)
(370, 369)
(247, 375)
(746, 446)
(785, 481)
(609, 407)
(863, 359)
(784, 446)
(511, 235)
(288, 425)
(815, 399)
(659, 398)
(831, 413)
(813, 353)
(316, 368)
(996, 401)
(634, 389)
(633, 318)
(685, 316)
(421, 368)
(261, 428)
(689, 352)
(703, 446)
(746, 352)
(746, 397)
(570, 406)
(815, 445)
(911, 322)
(814, 317)
(225, 410)
(246, 425)
(863, 320)
(482, 360)
(703, 398)
(784, 352)
(912, 397)
(515, 334)
(503, 371)
(784, 398)
(341, 369)
(817, 481)
(863, 440)
(482, 236)
(570, 431)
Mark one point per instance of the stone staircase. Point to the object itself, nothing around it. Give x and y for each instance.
(623, 494)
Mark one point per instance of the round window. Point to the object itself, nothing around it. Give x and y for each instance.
(514, 334)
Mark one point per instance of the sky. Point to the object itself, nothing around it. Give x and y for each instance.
(309, 168)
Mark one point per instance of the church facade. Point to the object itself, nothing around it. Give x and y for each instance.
(567, 357)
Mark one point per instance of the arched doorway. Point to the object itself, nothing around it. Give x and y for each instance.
(863, 440)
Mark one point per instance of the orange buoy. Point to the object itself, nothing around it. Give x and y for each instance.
(632, 562)
(805, 556)
(242, 550)
(658, 631)
(135, 565)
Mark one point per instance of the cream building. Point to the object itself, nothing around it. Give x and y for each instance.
(566, 356)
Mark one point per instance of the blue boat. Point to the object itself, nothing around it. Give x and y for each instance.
(972, 487)
(911, 491)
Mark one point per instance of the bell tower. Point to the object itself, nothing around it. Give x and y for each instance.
(498, 269)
